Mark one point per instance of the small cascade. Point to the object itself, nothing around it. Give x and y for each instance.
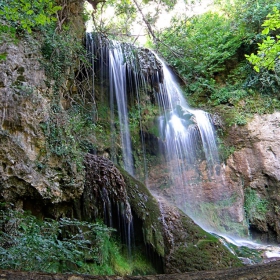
(125, 225)
(107, 66)
(118, 82)
(107, 207)
(117, 214)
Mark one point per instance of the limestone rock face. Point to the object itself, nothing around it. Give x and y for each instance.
(26, 169)
(256, 165)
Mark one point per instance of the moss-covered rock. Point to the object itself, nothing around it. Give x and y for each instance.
(182, 244)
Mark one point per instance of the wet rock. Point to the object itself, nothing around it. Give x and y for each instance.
(181, 243)
(105, 191)
(256, 165)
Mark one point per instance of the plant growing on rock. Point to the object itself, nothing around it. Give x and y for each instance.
(255, 207)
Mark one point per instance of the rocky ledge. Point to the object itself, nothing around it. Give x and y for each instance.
(268, 271)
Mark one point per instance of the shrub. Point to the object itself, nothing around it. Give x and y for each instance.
(67, 245)
(254, 205)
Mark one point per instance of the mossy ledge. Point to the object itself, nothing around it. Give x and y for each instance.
(181, 243)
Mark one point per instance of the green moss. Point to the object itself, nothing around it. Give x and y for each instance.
(201, 250)
(147, 210)
(152, 127)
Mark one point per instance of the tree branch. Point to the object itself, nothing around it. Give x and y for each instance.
(94, 3)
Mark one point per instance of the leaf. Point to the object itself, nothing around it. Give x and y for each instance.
(265, 31)
(56, 9)
(257, 68)
(29, 12)
(41, 19)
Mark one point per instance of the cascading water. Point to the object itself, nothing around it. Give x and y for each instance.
(188, 136)
(184, 130)
(182, 161)
(118, 82)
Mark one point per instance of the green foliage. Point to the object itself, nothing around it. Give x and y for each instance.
(27, 243)
(66, 130)
(268, 50)
(230, 94)
(240, 119)
(122, 15)
(224, 150)
(200, 45)
(61, 52)
(28, 15)
(208, 52)
(66, 245)
(247, 16)
(65, 134)
(254, 205)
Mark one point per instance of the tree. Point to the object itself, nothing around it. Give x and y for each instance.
(128, 12)
(268, 52)
(28, 15)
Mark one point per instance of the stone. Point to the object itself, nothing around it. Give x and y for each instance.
(269, 271)
(256, 165)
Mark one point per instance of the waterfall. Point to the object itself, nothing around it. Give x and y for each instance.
(179, 151)
(182, 126)
(179, 154)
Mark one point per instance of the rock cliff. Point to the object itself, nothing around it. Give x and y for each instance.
(42, 166)
(26, 168)
(40, 171)
(255, 166)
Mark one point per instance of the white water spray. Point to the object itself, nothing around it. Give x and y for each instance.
(188, 136)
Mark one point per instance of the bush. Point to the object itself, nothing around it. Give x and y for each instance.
(67, 245)
(202, 44)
